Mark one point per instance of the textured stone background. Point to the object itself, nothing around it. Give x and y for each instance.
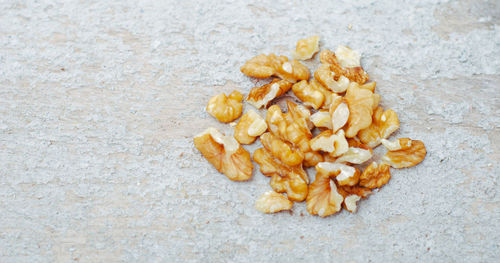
(99, 101)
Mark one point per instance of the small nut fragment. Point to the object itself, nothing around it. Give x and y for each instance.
(272, 202)
(326, 92)
(347, 57)
(327, 141)
(352, 194)
(345, 174)
(308, 94)
(354, 74)
(285, 152)
(306, 48)
(263, 66)
(226, 109)
(384, 123)
(328, 78)
(225, 154)
(404, 152)
(261, 96)
(323, 198)
(360, 102)
(339, 112)
(284, 178)
(322, 119)
(375, 175)
(249, 127)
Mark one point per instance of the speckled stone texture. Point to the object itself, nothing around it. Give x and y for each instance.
(99, 101)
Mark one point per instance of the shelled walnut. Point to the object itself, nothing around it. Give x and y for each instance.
(272, 202)
(306, 48)
(225, 154)
(250, 126)
(404, 152)
(261, 96)
(226, 109)
(265, 66)
(384, 123)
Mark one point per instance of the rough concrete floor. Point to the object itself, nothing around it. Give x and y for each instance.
(99, 101)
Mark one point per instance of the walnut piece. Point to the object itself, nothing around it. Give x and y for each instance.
(327, 141)
(361, 104)
(404, 152)
(345, 174)
(226, 109)
(261, 96)
(384, 123)
(284, 178)
(352, 194)
(322, 119)
(347, 57)
(327, 77)
(263, 66)
(325, 91)
(308, 94)
(323, 198)
(249, 127)
(285, 152)
(272, 202)
(375, 175)
(339, 112)
(354, 74)
(225, 154)
(306, 48)
(356, 155)
(294, 127)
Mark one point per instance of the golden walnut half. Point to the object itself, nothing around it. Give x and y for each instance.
(404, 152)
(306, 48)
(375, 175)
(272, 202)
(226, 109)
(323, 198)
(285, 152)
(384, 123)
(308, 94)
(249, 127)
(284, 178)
(225, 154)
(265, 66)
(261, 96)
(361, 104)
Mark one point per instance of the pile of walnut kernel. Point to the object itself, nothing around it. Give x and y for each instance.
(349, 123)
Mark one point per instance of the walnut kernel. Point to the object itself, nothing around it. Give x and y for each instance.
(261, 96)
(375, 175)
(404, 152)
(272, 202)
(225, 154)
(226, 109)
(306, 48)
(249, 127)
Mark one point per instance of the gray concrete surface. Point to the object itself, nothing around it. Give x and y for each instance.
(99, 101)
